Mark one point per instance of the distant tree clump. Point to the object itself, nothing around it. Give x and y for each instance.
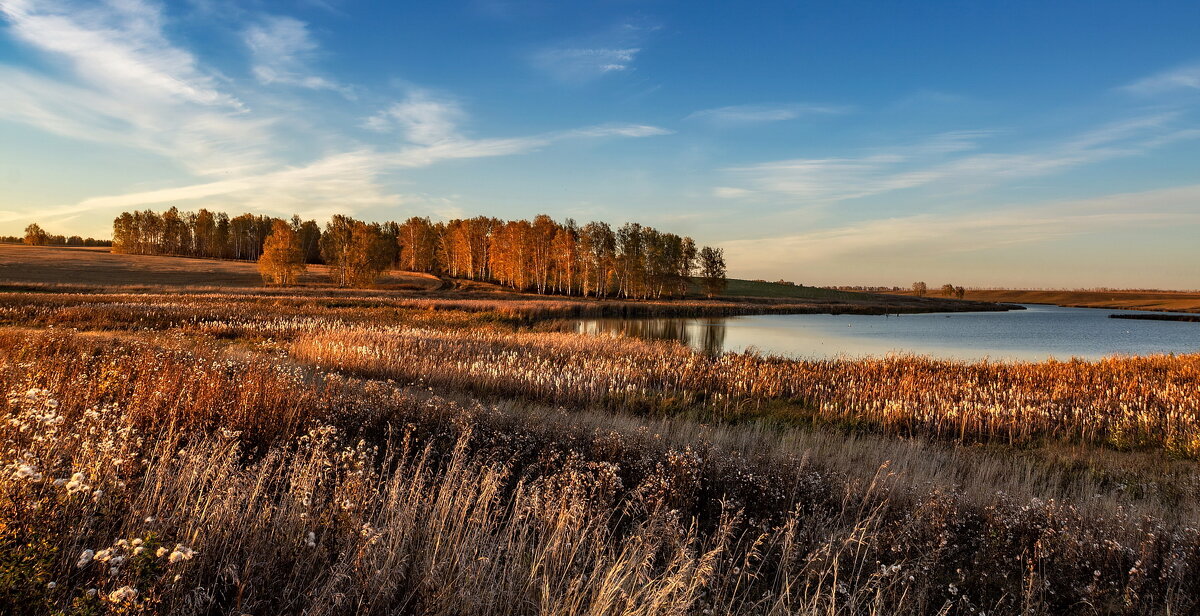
(920, 289)
(357, 252)
(308, 234)
(202, 234)
(35, 236)
(949, 290)
(712, 270)
(371, 252)
(282, 259)
(540, 255)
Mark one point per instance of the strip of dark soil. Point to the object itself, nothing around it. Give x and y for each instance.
(1187, 318)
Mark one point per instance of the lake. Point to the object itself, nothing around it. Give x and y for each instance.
(1037, 333)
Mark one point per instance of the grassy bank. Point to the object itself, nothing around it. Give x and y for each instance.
(1167, 301)
(757, 288)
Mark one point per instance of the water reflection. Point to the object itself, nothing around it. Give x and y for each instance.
(705, 335)
(1037, 333)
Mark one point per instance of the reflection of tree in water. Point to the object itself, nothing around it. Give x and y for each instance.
(704, 335)
(712, 334)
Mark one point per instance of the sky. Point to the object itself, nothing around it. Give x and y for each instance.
(1024, 144)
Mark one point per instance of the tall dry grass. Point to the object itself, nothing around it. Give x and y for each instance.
(475, 345)
(1123, 402)
(368, 498)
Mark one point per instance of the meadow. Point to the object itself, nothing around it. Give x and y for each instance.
(1170, 301)
(211, 450)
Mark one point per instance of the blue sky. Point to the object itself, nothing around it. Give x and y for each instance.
(1006, 143)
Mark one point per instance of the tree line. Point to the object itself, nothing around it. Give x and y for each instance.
(920, 289)
(205, 234)
(36, 236)
(540, 256)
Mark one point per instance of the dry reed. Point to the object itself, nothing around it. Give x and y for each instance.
(1123, 402)
(135, 485)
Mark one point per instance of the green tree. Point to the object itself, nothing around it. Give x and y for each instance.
(712, 270)
(282, 260)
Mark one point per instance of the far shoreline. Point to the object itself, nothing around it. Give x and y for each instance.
(1146, 300)
(1177, 318)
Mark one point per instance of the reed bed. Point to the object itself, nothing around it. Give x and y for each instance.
(43, 304)
(143, 478)
(263, 315)
(1121, 402)
(1149, 403)
(1126, 403)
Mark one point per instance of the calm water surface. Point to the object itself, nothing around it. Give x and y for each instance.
(1037, 333)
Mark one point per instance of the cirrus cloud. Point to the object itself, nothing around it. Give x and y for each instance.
(761, 114)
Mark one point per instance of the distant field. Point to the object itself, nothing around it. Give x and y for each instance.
(1128, 300)
(751, 288)
(97, 266)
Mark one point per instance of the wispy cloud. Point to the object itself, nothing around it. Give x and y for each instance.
(761, 114)
(613, 130)
(282, 49)
(588, 58)
(575, 64)
(941, 235)
(340, 177)
(117, 47)
(421, 117)
(339, 183)
(837, 179)
(947, 161)
(125, 83)
(1179, 78)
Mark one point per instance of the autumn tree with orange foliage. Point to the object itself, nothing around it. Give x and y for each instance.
(357, 252)
(282, 260)
(542, 255)
(35, 236)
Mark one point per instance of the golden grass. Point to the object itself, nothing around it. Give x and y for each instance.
(376, 500)
(485, 466)
(1123, 402)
